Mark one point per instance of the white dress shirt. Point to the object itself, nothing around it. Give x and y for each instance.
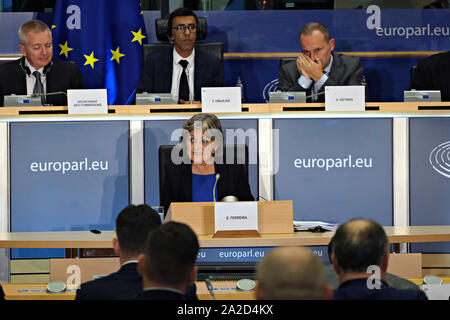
(31, 79)
(178, 70)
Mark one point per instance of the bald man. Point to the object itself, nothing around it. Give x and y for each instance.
(360, 257)
(318, 65)
(291, 273)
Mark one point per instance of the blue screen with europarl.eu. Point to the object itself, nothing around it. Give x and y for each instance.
(67, 176)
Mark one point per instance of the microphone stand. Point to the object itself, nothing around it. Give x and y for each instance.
(215, 186)
(210, 288)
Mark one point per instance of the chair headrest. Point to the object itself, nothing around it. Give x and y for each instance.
(161, 27)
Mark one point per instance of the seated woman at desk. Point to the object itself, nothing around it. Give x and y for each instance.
(194, 180)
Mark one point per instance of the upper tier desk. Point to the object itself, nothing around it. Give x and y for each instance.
(250, 108)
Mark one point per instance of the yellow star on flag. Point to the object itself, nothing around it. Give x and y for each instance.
(53, 26)
(117, 55)
(65, 49)
(90, 60)
(138, 36)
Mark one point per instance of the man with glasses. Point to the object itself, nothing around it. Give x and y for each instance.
(37, 72)
(182, 70)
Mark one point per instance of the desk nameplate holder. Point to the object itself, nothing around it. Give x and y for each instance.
(237, 234)
(235, 219)
(274, 217)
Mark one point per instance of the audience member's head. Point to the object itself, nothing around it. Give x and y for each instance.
(133, 224)
(291, 273)
(357, 245)
(169, 257)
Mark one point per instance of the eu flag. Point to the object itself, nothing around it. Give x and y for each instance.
(104, 38)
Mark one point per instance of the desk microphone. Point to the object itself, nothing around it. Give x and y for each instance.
(215, 186)
(37, 95)
(210, 288)
(315, 95)
(44, 95)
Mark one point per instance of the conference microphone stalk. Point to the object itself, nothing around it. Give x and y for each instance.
(215, 186)
(315, 95)
(210, 288)
(38, 95)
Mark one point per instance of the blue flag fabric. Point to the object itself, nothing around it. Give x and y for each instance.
(104, 38)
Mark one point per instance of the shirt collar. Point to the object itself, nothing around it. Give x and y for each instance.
(128, 262)
(165, 289)
(358, 282)
(177, 57)
(32, 69)
(328, 67)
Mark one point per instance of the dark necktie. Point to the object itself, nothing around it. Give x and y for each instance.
(183, 92)
(38, 87)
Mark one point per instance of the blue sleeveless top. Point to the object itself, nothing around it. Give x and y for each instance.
(202, 187)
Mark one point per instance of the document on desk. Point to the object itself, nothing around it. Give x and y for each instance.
(307, 225)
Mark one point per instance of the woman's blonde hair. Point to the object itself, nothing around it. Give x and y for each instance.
(207, 120)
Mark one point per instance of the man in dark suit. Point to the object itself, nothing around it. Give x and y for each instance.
(37, 71)
(168, 263)
(433, 73)
(183, 70)
(132, 227)
(360, 257)
(318, 65)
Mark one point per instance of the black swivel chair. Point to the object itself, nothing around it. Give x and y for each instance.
(161, 26)
(240, 158)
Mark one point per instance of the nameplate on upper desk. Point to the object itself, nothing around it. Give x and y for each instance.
(345, 98)
(222, 99)
(235, 216)
(87, 101)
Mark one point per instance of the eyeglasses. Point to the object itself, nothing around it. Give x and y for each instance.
(181, 28)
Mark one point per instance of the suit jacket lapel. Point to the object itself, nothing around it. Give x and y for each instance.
(198, 63)
(335, 67)
(186, 181)
(20, 80)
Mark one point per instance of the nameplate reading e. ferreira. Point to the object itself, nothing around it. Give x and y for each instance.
(222, 99)
(345, 98)
(234, 216)
(87, 101)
